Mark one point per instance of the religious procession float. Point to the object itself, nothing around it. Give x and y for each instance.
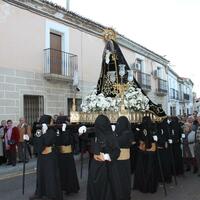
(117, 92)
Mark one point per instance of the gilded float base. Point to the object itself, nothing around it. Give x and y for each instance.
(134, 117)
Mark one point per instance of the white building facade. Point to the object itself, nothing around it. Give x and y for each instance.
(173, 94)
(41, 46)
(186, 96)
(180, 96)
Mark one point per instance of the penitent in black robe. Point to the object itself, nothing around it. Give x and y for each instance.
(125, 137)
(68, 174)
(146, 178)
(175, 132)
(103, 179)
(164, 151)
(48, 178)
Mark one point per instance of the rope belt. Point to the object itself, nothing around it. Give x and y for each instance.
(124, 154)
(65, 149)
(47, 150)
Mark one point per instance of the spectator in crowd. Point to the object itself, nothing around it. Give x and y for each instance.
(190, 119)
(61, 113)
(197, 146)
(24, 129)
(195, 123)
(2, 147)
(188, 148)
(11, 141)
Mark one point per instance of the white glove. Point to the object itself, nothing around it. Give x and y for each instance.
(44, 128)
(107, 156)
(170, 141)
(113, 127)
(82, 130)
(155, 138)
(183, 135)
(64, 127)
(26, 137)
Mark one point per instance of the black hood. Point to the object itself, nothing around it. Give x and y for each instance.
(122, 125)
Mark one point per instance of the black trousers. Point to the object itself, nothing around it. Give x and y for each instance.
(11, 156)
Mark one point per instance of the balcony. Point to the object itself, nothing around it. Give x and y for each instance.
(144, 80)
(161, 87)
(59, 65)
(174, 94)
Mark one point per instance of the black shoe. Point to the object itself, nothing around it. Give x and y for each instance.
(35, 197)
(46, 198)
(9, 163)
(188, 169)
(195, 170)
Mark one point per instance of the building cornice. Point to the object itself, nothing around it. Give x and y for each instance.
(173, 72)
(69, 18)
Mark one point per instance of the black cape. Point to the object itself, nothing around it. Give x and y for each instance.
(175, 132)
(164, 151)
(125, 137)
(67, 167)
(103, 179)
(146, 178)
(48, 178)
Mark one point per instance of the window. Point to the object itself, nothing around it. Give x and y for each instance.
(172, 110)
(55, 53)
(56, 49)
(139, 65)
(33, 107)
(160, 72)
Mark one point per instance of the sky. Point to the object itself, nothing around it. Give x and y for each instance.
(170, 28)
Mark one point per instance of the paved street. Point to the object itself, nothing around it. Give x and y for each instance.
(10, 186)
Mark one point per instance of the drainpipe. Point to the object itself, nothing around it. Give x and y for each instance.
(67, 4)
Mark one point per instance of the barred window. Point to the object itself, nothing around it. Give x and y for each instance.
(33, 107)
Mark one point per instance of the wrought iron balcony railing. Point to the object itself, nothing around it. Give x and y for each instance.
(161, 87)
(144, 80)
(59, 64)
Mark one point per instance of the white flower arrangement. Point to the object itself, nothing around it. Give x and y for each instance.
(94, 102)
(134, 100)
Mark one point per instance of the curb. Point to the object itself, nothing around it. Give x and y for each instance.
(7, 172)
